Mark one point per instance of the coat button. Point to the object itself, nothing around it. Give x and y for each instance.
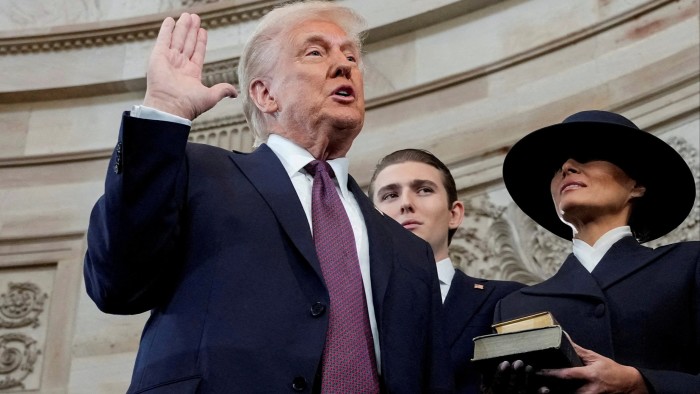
(299, 383)
(318, 309)
(599, 310)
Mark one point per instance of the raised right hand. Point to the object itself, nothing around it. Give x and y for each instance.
(174, 77)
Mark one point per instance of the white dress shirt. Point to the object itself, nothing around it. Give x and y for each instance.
(446, 271)
(293, 159)
(590, 256)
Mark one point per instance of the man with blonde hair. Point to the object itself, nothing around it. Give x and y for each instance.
(271, 271)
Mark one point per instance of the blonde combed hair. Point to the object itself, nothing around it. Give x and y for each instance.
(261, 52)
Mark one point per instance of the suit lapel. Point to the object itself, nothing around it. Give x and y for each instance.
(463, 302)
(266, 173)
(624, 258)
(381, 246)
(264, 170)
(572, 279)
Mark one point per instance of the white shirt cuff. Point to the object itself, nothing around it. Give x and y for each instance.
(143, 112)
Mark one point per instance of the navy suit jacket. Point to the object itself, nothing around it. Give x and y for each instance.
(469, 307)
(639, 307)
(217, 246)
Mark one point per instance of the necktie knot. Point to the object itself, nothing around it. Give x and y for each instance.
(319, 166)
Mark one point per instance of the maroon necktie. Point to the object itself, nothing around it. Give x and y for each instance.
(349, 363)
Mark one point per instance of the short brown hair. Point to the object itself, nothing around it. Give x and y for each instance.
(419, 156)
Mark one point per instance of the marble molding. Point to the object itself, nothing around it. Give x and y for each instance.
(136, 29)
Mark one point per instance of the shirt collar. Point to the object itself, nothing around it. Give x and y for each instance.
(590, 256)
(294, 158)
(446, 271)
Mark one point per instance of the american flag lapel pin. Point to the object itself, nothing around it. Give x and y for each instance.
(478, 286)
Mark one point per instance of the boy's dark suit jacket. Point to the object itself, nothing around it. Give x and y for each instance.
(469, 307)
(216, 244)
(639, 306)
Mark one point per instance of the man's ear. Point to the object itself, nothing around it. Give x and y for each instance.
(638, 191)
(260, 94)
(456, 214)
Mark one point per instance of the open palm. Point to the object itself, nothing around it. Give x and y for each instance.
(174, 77)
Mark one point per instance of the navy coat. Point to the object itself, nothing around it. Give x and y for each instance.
(469, 307)
(639, 307)
(217, 246)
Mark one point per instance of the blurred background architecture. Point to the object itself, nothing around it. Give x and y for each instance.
(464, 79)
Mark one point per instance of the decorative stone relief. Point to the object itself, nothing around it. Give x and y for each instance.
(24, 324)
(470, 246)
(231, 133)
(21, 306)
(18, 354)
(218, 72)
(690, 228)
(501, 242)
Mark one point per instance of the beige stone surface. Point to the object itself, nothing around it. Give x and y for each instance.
(462, 78)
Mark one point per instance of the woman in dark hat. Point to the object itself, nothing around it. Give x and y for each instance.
(633, 311)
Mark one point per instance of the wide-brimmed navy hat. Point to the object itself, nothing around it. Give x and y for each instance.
(599, 135)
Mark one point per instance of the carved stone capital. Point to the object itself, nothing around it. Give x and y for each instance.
(21, 305)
